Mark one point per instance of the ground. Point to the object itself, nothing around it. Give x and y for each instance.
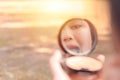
(25, 52)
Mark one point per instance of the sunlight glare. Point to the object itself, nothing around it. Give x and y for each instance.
(56, 7)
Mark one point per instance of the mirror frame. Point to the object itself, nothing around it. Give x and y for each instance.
(93, 34)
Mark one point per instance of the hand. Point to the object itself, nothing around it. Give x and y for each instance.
(60, 74)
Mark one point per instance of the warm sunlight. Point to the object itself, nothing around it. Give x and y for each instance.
(55, 7)
(38, 13)
(49, 13)
(57, 12)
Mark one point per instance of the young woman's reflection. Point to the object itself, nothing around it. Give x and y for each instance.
(69, 41)
(77, 36)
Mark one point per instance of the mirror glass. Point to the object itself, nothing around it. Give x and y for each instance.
(77, 37)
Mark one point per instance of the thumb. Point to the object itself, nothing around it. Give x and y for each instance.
(101, 58)
(56, 68)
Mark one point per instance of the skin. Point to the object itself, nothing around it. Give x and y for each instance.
(81, 32)
(69, 40)
(77, 34)
(60, 74)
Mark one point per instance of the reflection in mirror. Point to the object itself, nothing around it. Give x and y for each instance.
(78, 37)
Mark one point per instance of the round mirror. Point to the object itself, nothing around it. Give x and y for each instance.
(77, 37)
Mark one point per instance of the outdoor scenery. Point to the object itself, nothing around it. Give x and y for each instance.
(29, 29)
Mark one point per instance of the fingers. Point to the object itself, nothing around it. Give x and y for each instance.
(56, 57)
(101, 58)
(58, 72)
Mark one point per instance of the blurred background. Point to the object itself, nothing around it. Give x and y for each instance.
(29, 29)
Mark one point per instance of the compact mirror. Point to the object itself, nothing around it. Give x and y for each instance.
(77, 37)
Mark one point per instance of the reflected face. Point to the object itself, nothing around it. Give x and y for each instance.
(76, 37)
(70, 41)
(81, 32)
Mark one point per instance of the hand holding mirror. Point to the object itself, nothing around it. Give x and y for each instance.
(77, 39)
